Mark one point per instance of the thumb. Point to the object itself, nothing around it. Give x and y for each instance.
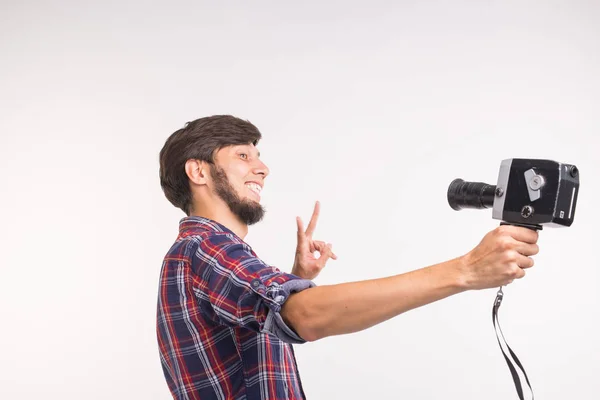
(331, 249)
(325, 248)
(322, 260)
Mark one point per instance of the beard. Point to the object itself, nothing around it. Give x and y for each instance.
(248, 211)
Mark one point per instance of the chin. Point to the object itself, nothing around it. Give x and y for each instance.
(251, 199)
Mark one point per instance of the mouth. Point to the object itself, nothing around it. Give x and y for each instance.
(254, 188)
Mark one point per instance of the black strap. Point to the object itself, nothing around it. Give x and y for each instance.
(513, 371)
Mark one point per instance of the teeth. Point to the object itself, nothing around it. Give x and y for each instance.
(254, 187)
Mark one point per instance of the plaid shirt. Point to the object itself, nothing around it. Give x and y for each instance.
(220, 333)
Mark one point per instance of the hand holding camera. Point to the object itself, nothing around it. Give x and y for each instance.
(501, 256)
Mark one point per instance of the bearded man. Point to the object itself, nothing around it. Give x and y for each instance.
(226, 320)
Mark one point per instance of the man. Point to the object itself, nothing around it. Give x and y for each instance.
(226, 320)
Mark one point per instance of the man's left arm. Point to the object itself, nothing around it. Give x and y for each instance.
(241, 289)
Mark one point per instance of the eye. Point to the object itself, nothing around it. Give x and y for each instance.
(243, 156)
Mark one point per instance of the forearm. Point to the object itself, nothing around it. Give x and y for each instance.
(350, 307)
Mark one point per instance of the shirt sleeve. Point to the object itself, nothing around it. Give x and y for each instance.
(241, 289)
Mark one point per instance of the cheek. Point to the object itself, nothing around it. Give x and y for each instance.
(237, 173)
(237, 181)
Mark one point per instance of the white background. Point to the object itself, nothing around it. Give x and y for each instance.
(372, 108)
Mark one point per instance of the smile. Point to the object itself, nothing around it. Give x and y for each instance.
(254, 187)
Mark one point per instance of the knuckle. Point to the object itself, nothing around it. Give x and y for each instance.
(515, 271)
(505, 243)
(510, 255)
(502, 230)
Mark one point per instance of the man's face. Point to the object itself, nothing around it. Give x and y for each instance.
(238, 177)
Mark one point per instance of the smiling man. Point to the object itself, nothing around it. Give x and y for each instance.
(220, 331)
(227, 320)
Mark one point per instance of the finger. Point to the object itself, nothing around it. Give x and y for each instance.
(316, 245)
(522, 234)
(313, 220)
(525, 262)
(301, 236)
(527, 249)
(325, 248)
(322, 260)
(520, 273)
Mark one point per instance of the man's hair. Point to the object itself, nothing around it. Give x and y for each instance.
(200, 140)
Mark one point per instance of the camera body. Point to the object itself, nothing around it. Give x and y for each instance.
(529, 192)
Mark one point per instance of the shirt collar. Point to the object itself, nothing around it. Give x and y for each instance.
(194, 225)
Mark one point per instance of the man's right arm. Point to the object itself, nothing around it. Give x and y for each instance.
(329, 310)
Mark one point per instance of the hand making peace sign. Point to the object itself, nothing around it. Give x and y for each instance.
(306, 265)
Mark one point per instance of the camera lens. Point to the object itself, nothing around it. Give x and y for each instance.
(462, 194)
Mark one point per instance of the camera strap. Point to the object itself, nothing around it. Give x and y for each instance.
(510, 364)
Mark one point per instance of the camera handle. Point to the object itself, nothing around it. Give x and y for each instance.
(496, 322)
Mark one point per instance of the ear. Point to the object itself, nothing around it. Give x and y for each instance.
(197, 171)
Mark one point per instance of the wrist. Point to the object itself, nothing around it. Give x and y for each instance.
(297, 271)
(461, 274)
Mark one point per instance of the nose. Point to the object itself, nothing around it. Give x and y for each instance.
(261, 169)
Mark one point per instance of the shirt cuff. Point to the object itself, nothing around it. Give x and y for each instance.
(274, 323)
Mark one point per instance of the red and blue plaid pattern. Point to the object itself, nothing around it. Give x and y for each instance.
(219, 330)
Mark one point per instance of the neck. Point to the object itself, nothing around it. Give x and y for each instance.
(224, 216)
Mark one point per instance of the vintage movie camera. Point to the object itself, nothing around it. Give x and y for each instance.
(529, 192)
